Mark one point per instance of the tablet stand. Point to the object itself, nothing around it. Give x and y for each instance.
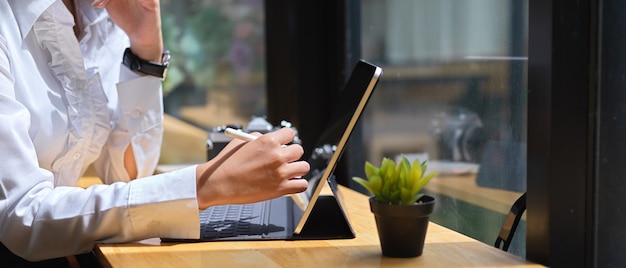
(328, 219)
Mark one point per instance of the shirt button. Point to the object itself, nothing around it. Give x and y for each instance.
(135, 114)
(80, 85)
(76, 156)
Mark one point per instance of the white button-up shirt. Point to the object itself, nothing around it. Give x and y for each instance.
(66, 104)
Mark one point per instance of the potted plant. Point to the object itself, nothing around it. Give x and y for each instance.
(400, 209)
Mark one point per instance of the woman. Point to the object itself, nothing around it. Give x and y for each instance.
(71, 96)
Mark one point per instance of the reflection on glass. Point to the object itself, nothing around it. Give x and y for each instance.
(217, 74)
(454, 92)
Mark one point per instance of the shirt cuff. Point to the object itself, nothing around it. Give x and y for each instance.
(165, 205)
(140, 102)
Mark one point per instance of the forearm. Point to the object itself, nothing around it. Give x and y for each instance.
(129, 162)
(55, 222)
(141, 20)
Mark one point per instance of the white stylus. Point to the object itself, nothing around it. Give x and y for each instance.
(238, 134)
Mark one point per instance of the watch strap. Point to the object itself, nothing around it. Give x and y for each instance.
(134, 63)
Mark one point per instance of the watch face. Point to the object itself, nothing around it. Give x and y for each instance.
(165, 58)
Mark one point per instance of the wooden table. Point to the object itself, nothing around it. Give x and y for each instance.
(443, 248)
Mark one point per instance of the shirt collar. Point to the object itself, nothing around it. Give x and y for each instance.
(26, 12)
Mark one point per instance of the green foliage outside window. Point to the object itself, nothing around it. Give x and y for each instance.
(198, 35)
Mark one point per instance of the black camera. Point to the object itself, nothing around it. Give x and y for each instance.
(459, 134)
(217, 138)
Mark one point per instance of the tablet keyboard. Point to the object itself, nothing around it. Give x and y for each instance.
(232, 221)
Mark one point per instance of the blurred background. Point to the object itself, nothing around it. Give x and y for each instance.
(454, 92)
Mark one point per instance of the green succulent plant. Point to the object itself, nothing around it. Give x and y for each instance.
(393, 183)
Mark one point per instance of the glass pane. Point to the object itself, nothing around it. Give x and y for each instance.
(453, 92)
(217, 75)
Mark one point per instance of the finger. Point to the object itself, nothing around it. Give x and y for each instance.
(297, 169)
(295, 186)
(99, 3)
(293, 152)
(282, 136)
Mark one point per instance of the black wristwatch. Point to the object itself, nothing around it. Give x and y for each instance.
(158, 69)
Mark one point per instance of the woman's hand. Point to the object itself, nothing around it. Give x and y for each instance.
(141, 20)
(247, 172)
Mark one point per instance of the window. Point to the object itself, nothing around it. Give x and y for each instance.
(217, 75)
(454, 92)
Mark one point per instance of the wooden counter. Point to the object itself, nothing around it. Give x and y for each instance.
(443, 248)
(464, 187)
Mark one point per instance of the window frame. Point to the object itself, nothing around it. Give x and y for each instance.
(311, 47)
(561, 132)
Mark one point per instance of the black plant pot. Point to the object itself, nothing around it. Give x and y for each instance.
(402, 228)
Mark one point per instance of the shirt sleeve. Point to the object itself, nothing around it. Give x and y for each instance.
(51, 222)
(39, 221)
(139, 123)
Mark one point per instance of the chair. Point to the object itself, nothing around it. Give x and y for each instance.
(510, 223)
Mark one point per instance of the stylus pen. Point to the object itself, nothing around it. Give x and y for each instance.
(238, 134)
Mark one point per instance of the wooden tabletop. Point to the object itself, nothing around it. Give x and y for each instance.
(443, 248)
